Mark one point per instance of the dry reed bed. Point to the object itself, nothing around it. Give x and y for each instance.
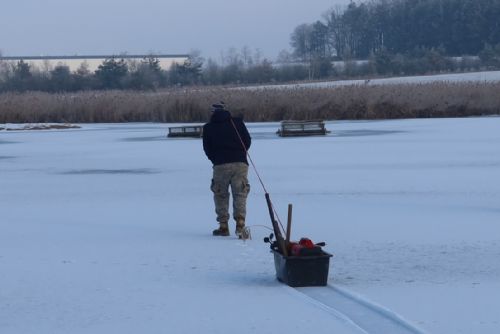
(193, 105)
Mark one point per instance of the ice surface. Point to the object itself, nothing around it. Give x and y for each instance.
(107, 228)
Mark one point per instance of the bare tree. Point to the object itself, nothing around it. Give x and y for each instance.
(83, 69)
(284, 57)
(3, 68)
(246, 54)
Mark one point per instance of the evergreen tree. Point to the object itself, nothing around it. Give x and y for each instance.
(22, 78)
(111, 73)
(61, 79)
(148, 75)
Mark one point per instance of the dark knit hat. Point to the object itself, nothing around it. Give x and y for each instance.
(218, 106)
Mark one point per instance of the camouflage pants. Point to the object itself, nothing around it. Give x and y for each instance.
(235, 175)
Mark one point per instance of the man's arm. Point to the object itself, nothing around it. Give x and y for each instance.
(245, 135)
(206, 143)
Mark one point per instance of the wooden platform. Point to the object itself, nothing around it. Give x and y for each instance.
(302, 128)
(192, 131)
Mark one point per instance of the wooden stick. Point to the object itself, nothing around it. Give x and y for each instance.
(289, 225)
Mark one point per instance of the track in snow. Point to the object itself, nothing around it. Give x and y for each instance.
(367, 317)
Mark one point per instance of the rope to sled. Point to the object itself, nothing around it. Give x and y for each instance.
(257, 173)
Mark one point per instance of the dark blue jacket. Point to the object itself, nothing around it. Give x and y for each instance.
(221, 142)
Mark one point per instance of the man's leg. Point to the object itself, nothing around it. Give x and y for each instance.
(240, 189)
(219, 186)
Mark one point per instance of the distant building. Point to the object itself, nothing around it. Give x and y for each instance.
(92, 62)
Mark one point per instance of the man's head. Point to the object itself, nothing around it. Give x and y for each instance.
(218, 106)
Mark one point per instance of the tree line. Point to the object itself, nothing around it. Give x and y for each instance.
(147, 75)
(237, 67)
(392, 37)
(404, 29)
(112, 73)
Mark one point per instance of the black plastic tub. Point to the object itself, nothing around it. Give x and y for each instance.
(297, 271)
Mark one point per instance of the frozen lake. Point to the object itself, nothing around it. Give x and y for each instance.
(107, 229)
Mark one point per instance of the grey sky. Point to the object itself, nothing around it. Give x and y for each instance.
(69, 27)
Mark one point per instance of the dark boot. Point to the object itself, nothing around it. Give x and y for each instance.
(241, 232)
(222, 231)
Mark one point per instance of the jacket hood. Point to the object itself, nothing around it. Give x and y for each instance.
(220, 115)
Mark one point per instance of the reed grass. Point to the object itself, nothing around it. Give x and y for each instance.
(193, 104)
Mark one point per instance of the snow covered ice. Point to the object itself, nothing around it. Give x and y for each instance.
(107, 228)
(469, 77)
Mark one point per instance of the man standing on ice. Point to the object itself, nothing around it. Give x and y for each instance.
(225, 142)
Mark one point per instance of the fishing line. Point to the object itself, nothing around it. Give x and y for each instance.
(257, 173)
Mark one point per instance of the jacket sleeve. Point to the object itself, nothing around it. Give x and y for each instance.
(245, 136)
(206, 144)
(247, 140)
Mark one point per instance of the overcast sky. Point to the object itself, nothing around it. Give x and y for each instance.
(86, 27)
